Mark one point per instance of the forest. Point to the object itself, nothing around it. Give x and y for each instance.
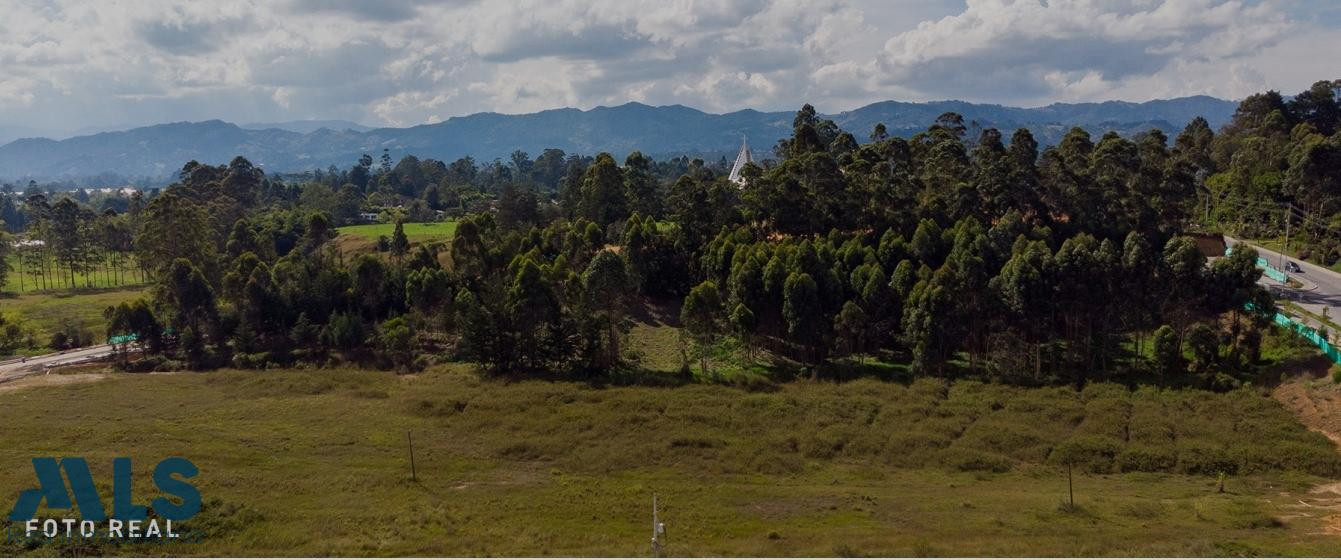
(958, 251)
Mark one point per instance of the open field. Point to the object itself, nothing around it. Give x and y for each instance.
(15, 282)
(420, 231)
(48, 312)
(315, 463)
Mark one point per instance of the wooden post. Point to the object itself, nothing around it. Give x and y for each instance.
(1070, 488)
(413, 475)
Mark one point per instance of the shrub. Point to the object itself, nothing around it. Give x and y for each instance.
(1199, 459)
(1016, 440)
(1090, 453)
(914, 449)
(1146, 459)
(964, 459)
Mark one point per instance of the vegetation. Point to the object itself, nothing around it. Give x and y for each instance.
(1276, 163)
(415, 231)
(561, 468)
(1011, 312)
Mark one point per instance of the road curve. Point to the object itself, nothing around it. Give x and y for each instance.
(1326, 293)
(18, 368)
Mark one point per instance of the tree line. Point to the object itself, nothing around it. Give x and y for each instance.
(946, 252)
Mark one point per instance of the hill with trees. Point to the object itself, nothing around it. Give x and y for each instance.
(153, 153)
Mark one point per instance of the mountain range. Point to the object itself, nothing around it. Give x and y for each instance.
(156, 152)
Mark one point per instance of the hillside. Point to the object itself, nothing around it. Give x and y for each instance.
(158, 151)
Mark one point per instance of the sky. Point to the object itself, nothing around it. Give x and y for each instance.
(78, 66)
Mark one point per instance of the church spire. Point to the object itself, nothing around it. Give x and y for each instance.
(742, 158)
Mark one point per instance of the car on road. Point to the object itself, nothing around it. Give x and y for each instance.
(1290, 266)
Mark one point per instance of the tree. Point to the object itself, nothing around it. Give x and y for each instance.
(603, 198)
(400, 244)
(532, 305)
(801, 308)
(184, 290)
(744, 323)
(1204, 345)
(174, 227)
(1027, 290)
(1168, 353)
(701, 316)
(396, 339)
(67, 237)
(642, 188)
(850, 326)
(607, 285)
(135, 318)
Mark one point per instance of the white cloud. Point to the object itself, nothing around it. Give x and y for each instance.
(71, 64)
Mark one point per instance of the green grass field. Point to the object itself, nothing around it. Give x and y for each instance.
(316, 463)
(60, 279)
(47, 312)
(415, 231)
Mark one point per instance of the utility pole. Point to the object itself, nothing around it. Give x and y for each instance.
(413, 475)
(1288, 206)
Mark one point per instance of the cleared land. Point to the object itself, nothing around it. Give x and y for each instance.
(315, 463)
(421, 231)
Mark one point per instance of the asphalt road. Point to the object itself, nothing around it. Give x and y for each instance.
(17, 368)
(1322, 287)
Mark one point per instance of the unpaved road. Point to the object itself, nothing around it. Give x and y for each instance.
(11, 370)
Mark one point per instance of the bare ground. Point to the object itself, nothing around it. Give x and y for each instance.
(1316, 401)
(49, 380)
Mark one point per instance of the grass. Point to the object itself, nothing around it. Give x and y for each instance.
(420, 231)
(47, 312)
(315, 463)
(60, 278)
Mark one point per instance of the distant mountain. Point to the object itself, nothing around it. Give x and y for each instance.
(11, 133)
(308, 126)
(160, 150)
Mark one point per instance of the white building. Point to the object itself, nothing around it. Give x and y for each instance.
(742, 158)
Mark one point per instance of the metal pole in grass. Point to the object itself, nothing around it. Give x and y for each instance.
(413, 475)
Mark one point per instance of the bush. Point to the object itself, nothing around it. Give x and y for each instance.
(1198, 459)
(964, 459)
(914, 449)
(1090, 453)
(1146, 459)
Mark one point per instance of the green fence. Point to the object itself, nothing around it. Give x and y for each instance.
(1293, 324)
(1311, 334)
(1268, 270)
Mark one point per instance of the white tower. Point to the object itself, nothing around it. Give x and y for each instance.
(742, 158)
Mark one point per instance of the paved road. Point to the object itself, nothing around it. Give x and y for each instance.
(16, 368)
(1322, 287)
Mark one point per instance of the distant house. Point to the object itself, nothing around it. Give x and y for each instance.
(368, 216)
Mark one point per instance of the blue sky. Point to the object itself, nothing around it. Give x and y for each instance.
(68, 66)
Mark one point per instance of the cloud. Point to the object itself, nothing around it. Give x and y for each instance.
(1031, 51)
(70, 64)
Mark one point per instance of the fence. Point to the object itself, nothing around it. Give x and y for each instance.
(1284, 320)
